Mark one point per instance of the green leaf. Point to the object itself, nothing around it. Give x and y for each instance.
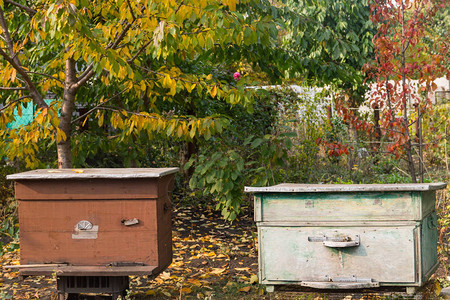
(257, 142)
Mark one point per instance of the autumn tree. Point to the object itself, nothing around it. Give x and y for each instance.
(404, 70)
(128, 64)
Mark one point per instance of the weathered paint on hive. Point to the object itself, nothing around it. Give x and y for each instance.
(385, 254)
(390, 232)
(428, 246)
(338, 206)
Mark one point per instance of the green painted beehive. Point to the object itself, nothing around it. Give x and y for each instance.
(346, 236)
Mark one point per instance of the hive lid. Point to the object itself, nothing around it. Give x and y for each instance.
(315, 188)
(108, 173)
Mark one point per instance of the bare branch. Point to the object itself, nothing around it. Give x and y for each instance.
(89, 72)
(7, 88)
(131, 10)
(7, 37)
(99, 105)
(29, 10)
(46, 75)
(14, 61)
(31, 87)
(14, 101)
(120, 37)
(136, 113)
(175, 78)
(140, 51)
(85, 72)
(179, 6)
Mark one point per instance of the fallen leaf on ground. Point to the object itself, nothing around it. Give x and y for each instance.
(245, 289)
(217, 271)
(254, 279)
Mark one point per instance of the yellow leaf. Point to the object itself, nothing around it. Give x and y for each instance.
(42, 34)
(245, 289)
(100, 120)
(60, 135)
(77, 170)
(19, 110)
(438, 288)
(166, 293)
(186, 290)
(254, 279)
(231, 4)
(13, 75)
(190, 87)
(165, 275)
(217, 271)
(173, 88)
(167, 82)
(195, 281)
(84, 122)
(46, 86)
(150, 293)
(214, 91)
(179, 131)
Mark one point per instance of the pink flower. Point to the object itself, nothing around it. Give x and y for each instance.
(237, 75)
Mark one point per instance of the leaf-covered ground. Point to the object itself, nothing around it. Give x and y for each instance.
(213, 259)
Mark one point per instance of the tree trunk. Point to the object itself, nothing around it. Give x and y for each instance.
(64, 148)
(352, 133)
(376, 120)
(192, 149)
(409, 156)
(191, 146)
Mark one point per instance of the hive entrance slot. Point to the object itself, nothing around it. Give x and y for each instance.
(114, 285)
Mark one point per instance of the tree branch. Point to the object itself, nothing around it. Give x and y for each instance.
(46, 75)
(135, 113)
(7, 88)
(89, 72)
(85, 72)
(140, 51)
(7, 37)
(120, 37)
(131, 10)
(35, 95)
(99, 105)
(15, 62)
(14, 101)
(29, 10)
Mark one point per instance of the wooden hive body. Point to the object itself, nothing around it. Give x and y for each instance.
(346, 236)
(129, 210)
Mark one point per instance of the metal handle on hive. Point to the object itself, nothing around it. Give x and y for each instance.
(337, 242)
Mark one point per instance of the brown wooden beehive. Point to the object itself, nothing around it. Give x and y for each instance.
(95, 221)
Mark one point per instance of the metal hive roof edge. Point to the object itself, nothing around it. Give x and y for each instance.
(107, 173)
(317, 188)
